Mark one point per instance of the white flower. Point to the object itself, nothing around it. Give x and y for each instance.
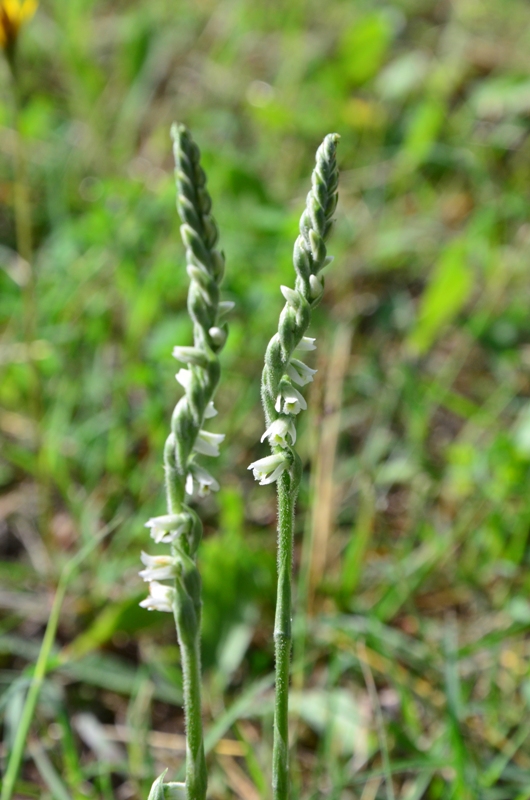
(317, 286)
(299, 372)
(224, 307)
(160, 597)
(291, 295)
(167, 527)
(160, 568)
(208, 443)
(183, 377)
(290, 401)
(279, 430)
(269, 469)
(190, 355)
(306, 343)
(210, 411)
(201, 479)
(218, 335)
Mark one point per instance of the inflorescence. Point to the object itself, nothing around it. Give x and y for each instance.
(283, 371)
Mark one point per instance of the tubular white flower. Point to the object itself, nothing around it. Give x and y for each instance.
(200, 479)
(291, 296)
(224, 307)
(160, 597)
(160, 568)
(167, 527)
(299, 372)
(279, 430)
(290, 401)
(210, 411)
(306, 343)
(218, 335)
(208, 443)
(190, 355)
(317, 286)
(268, 469)
(183, 377)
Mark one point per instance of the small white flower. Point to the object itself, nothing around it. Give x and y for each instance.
(269, 469)
(290, 401)
(224, 307)
(167, 527)
(210, 410)
(218, 335)
(306, 343)
(208, 443)
(160, 597)
(160, 568)
(201, 479)
(190, 355)
(291, 295)
(317, 286)
(183, 377)
(279, 430)
(299, 372)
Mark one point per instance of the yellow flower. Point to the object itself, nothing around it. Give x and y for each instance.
(13, 14)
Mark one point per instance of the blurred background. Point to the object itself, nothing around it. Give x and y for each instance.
(411, 649)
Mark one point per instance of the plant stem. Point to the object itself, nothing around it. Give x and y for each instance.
(282, 637)
(195, 760)
(187, 614)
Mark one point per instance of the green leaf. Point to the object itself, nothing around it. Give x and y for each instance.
(364, 46)
(446, 294)
(157, 789)
(422, 132)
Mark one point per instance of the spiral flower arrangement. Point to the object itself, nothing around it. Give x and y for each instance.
(282, 402)
(181, 527)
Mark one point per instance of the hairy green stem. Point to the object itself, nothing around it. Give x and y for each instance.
(181, 527)
(187, 614)
(282, 402)
(196, 776)
(283, 637)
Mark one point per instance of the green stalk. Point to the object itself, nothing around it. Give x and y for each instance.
(187, 613)
(196, 776)
(282, 402)
(282, 638)
(181, 527)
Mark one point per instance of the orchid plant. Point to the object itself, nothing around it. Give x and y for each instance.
(181, 527)
(174, 580)
(282, 402)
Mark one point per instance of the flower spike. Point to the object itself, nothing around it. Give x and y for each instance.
(181, 527)
(281, 403)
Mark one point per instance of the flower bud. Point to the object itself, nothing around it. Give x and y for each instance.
(218, 336)
(292, 297)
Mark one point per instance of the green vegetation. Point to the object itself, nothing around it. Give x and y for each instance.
(410, 644)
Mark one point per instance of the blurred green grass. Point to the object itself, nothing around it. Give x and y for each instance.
(410, 674)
